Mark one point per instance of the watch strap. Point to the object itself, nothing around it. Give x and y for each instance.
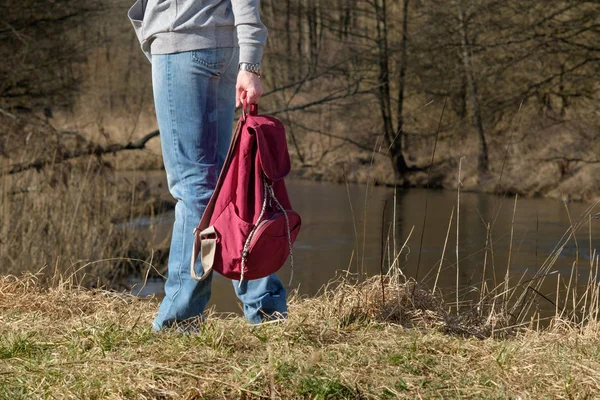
(253, 68)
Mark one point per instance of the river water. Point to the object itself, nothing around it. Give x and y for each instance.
(342, 230)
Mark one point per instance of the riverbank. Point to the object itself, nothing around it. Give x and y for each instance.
(67, 342)
(561, 178)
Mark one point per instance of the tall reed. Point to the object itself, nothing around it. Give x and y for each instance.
(67, 219)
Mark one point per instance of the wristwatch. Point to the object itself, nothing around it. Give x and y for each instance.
(254, 68)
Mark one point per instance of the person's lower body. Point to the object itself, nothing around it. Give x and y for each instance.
(194, 96)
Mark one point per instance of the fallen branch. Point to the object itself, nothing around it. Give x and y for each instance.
(7, 114)
(90, 150)
(567, 159)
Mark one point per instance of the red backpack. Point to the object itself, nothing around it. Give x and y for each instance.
(248, 228)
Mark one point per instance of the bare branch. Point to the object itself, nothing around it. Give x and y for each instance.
(91, 150)
(568, 159)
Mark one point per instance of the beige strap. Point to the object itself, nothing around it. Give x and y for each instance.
(207, 241)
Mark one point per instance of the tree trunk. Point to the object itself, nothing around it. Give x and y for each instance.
(402, 78)
(390, 134)
(482, 162)
(288, 23)
(299, 44)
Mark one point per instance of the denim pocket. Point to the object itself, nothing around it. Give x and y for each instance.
(210, 58)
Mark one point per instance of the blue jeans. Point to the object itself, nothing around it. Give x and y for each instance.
(194, 96)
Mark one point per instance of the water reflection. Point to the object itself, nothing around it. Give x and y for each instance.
(335, 237)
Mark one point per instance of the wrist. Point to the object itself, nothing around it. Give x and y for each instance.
(254, 68)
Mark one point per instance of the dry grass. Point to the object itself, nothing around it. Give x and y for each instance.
(72, 343)
(67, 217)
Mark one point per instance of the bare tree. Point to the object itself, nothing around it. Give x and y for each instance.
(41, 42)
(469, 73)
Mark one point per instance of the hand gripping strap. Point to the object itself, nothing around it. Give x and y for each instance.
(207, 240)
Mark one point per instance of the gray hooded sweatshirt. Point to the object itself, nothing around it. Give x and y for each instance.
(172, 26)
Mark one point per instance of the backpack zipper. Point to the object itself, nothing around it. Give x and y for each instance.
(260, 228)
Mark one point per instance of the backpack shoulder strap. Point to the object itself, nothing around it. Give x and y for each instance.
(205, 241)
